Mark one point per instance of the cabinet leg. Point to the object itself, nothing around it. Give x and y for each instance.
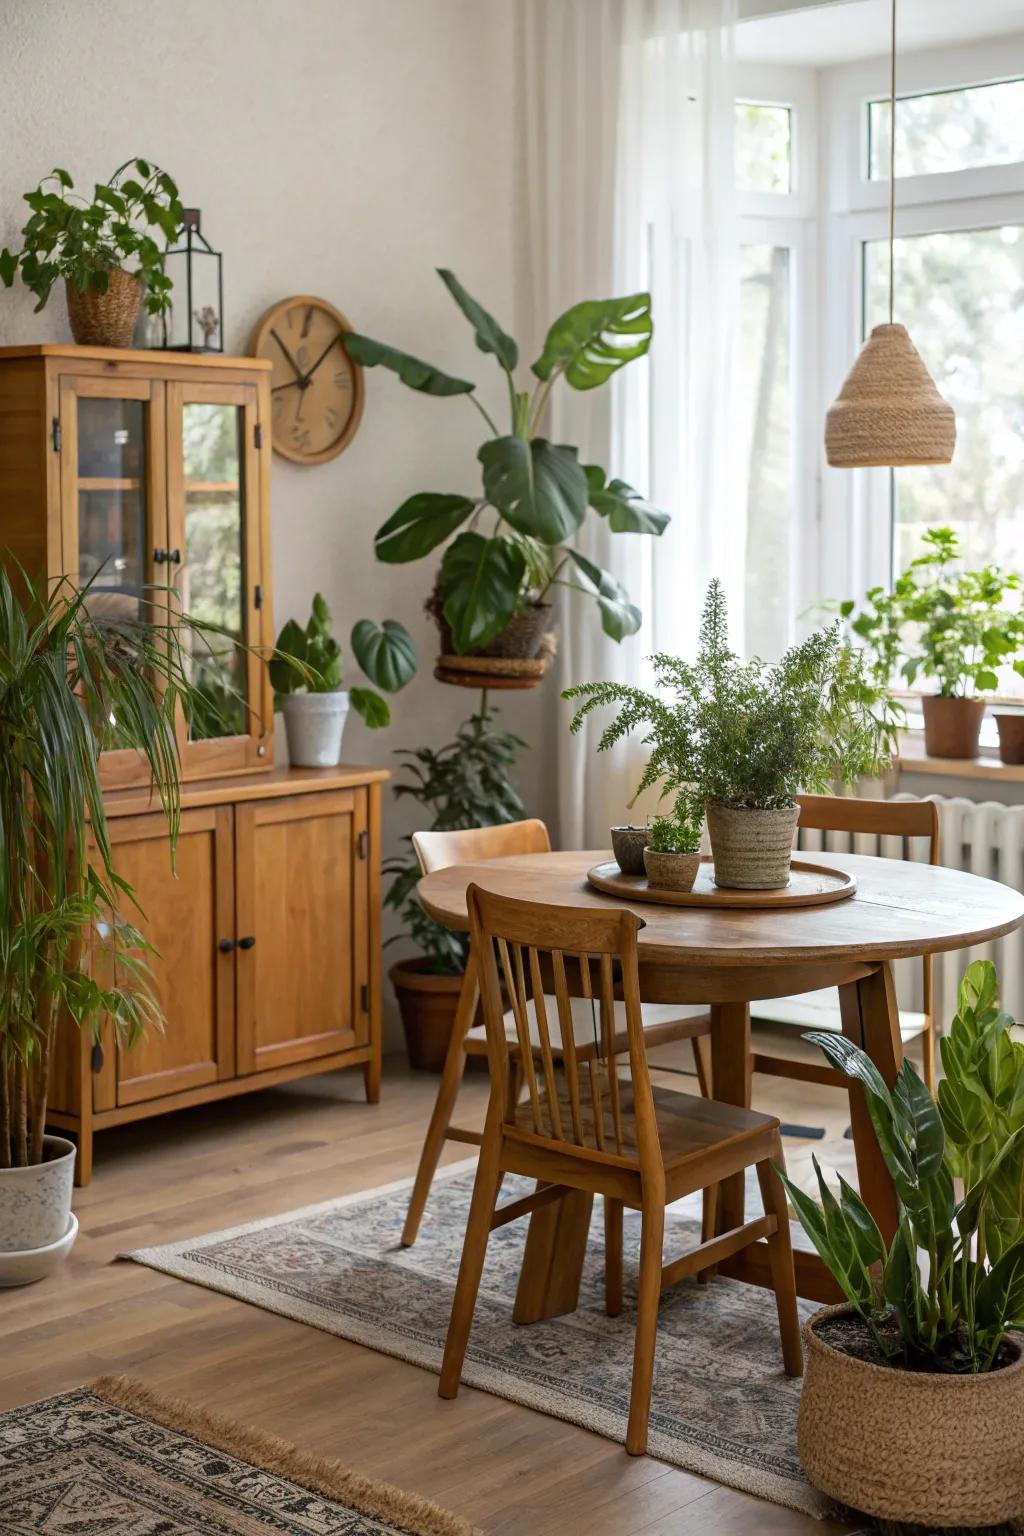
(371, 1079)
(83, 1162)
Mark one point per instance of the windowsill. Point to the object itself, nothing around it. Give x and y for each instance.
(914, 759)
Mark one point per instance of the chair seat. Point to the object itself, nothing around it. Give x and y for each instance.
(687, 1123)
(820, 1010)
(662, 1022)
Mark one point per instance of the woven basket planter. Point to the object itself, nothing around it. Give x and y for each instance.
(952, 727)
(752, 849)
(671, 871)
(105, 319)
(929, 1450)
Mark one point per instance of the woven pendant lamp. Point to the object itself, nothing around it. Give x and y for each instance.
(889, 411)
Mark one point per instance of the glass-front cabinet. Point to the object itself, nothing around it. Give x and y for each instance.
(163, 518)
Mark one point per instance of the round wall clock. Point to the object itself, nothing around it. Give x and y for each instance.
(316, 389)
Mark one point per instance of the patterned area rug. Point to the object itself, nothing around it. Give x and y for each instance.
(721, 1406)
(116, 1460)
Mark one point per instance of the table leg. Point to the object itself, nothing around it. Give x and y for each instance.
(871, 1020)
(556, 1243)
(730, 1074)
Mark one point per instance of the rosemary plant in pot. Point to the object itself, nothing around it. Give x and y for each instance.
(920, 1363)
(68, 677)
(463, 784)
(736, 741)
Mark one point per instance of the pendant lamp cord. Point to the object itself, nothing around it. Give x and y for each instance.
(892, 160)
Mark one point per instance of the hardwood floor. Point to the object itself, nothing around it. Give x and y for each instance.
(510, 1470)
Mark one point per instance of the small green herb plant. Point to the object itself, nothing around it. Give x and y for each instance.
(750, 734)
(463, 784)
(674, 833)
(82, 239)
(942, 1293)
(942, 622)
(516, 542)
(308, 660)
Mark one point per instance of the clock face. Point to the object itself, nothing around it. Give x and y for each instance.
(316, 390)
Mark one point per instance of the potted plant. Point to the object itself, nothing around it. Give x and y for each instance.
(736, 741)
(672, 852)
(919, 1364)
(70, 676)
(306, 671)
(947, 624)
(493, 592)
(628, 843)
(463, 784)
(87, 241)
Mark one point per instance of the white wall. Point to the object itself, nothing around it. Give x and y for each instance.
(337, 147)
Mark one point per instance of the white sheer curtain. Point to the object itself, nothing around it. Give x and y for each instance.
(629, 177)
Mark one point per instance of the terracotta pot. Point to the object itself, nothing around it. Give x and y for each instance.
(671, 871)
(427, 1003)
(930, 1450)
(1011, 737)
(628, 844)
(752, 849)
(105, 319)
(952, 726)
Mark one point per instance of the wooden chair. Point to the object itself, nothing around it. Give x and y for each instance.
(580, 1127)
(905, 819)
(662, 1021)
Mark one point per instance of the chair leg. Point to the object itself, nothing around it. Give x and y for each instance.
(440, 1119)
(780, 1253)
(648, 1296)
(612, 1256)
(702, 1062)
(708, 1225)
(474, 1251)
(928, 1058)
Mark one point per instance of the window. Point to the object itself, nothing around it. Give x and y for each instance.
(765, 372)
(763, 147)
(951, 130)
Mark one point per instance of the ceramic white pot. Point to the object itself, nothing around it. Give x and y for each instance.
(33, 1264)
(35, 1202)
(314, 723)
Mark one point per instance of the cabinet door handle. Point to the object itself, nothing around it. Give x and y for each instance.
(159, 556)
(226, 946)
(174, 556)
(247, 942)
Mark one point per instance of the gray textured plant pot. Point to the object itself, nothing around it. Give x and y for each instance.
(628, 844)
(913, 1447)
(314, 723)
(752, 849)
(35, 1202)
(671, 871)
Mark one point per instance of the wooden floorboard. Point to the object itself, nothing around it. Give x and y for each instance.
(510, 1470)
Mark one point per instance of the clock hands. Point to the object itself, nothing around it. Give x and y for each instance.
(300, 377)
(323, 354)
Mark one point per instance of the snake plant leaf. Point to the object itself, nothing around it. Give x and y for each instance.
(489, 335)
(411, 370)
(625, 509)
(419, 525)
(481, 580)
(827, 1239)
(387, 655)
(619, 617)
(862, 1226)
(538, 487)
(595, 339)
(902, 1284)
(373, 709)
(888, 1122)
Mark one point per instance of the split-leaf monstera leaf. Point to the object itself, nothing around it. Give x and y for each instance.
(515, 535)
(309, 660)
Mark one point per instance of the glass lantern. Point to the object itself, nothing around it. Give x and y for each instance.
(195, 322)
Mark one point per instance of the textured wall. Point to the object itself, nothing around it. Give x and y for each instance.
(336, 147)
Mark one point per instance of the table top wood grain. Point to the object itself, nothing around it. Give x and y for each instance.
(900, 909)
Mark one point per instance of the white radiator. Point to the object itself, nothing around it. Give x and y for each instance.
(984, 837)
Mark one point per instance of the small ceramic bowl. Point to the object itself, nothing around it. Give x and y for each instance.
(628, 844)
(36, 1263)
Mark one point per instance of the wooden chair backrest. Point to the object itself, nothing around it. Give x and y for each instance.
(525, 948)
(883, 818)
(439, 850)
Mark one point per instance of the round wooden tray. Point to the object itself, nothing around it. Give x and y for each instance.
(810, 885)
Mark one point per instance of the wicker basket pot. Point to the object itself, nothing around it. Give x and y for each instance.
(628, 844)
(105, 319)
(519, 640)
(752, 849)
(952, 727)
(671, 871)
(929, 1450)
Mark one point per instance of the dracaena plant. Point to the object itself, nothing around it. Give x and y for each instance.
(82, 239)
(308, 660)
(942, 1294)
(515, 546)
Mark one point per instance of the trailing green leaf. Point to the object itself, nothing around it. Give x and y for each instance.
(593, 340)
(624, 508)
(538, 488)
(387, 655)
(489, 335)
(420, 524)
(412, 371)
(619, 617)
(480, 581)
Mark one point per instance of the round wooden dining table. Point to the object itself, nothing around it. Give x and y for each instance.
(726, 959)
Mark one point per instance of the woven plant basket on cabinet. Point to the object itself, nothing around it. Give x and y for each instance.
(933, 1451)
(105, 319)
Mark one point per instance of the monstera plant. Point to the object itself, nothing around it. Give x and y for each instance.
(514, 534)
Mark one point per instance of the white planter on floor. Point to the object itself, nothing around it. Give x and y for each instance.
(315, 723)
(36, 1225)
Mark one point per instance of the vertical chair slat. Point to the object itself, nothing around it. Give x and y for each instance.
(565, 1026)
(608, 1041)
(545, 1044)
(594, 1062)
(522, 1034)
